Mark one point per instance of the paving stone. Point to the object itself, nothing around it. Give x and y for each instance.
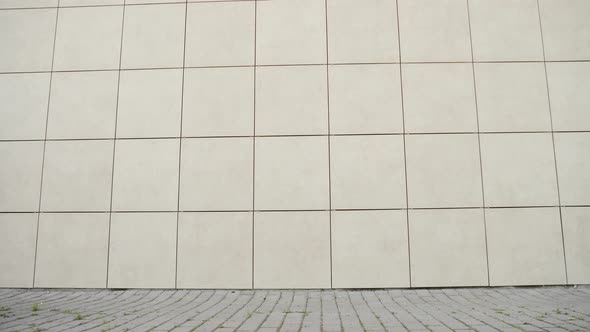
(504, 309)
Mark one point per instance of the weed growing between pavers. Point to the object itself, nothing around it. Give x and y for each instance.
(35, 307)
(4, 312)
(35, 328)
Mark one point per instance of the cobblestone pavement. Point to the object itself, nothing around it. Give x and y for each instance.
(466, 309)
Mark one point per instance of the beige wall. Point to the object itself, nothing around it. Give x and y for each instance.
(294, 144)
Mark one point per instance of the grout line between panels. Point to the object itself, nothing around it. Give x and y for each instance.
(180, 144)
(399, 47)
(483, 199)
(297, 210)
(254, 139)
(284, 65)
(288, 136)
(45, 147)
(129, 4)
(115, 147)
(301, 210)
(553, 143)
(329, 141)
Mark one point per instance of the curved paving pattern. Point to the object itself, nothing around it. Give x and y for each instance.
(467, 309)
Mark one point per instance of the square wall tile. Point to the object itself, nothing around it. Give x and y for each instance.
(365, 99)
(83, 105)
(142, 250)
(27, 3)
(512, 97)
(20, 176)
(525, 247)
(518, 170)
(439, 98)
(569, 83)
(367, 172)
(218, 102)
(443, 171)
(29, 35)
(215, 250)
(505, 30)
(88, 38)
(216, 174)
(290, 32)
(434, 30)
(23, 101)
(292, 249)
(153, 36)
(150, 103)
(72, 250)
(291, 173)
(146, 175)
(362, 31)
(370, 249)
(219, 34)
(17, 249)
(77, 176)
(576, 232)
(448, 248)
(291, 100)
(572, 151)
(566, 29)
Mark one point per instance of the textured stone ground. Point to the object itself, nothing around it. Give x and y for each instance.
(467, 309)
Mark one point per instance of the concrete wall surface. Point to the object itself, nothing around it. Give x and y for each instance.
(294, 143)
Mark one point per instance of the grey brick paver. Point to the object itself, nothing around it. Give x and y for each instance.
(103, 312)
(69, 321)
(114, 312)
(263, 312)
(43, 299)
(147, 315)
(205, 298)
(477, 309)
(330, 312)
(211, 310)
(172, 312)
(386, 317)
(40, 316)
(66, 305)
(275, 318)
(228, 313)
(24, 297)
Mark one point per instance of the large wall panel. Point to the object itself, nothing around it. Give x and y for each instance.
(17, 249)
(72, 250)
(525, 247)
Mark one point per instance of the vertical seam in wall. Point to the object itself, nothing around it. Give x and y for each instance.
(115, 144)
(180, 143)
(45, 145)
(483, 199)
(329, 140)
(553, 141)
(254, 139)
(401, 84)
